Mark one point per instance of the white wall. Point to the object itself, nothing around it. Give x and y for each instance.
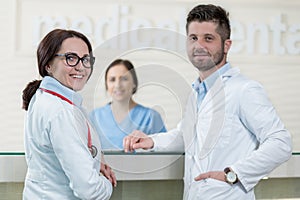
(266, 47)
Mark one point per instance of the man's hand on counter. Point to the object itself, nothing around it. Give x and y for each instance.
(137, 140)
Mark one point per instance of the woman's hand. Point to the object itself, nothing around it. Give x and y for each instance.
(108, 173)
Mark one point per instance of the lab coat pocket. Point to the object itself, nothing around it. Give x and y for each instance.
(215, 189)
(208, 189)
(194, 191)
(226, 132)
(35, 175)
(215, 134)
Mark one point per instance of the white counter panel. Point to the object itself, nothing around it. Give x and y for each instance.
(137, 167)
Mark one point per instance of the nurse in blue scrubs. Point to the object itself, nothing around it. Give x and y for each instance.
(123, 115)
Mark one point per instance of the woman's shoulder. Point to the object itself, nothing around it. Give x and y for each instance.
(152, 119)
(50, 103)
(102, 109)
(145, 110)
(141, 108)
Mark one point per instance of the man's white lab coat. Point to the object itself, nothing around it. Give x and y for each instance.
(236, 126)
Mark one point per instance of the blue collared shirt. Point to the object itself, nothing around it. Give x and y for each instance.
(202, 87)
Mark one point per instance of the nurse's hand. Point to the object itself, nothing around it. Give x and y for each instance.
(108, 173)
(136, 140)
(218, 175)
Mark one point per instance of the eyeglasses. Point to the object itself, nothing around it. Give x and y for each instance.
(73, 59)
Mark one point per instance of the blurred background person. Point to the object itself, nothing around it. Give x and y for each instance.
(62, 150)
(123, 115)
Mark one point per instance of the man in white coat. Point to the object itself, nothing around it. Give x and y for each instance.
(231, 134)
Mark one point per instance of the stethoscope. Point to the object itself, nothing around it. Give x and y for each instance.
(91, 147)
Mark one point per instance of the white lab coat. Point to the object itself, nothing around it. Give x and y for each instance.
(236, 126)
(60, 165)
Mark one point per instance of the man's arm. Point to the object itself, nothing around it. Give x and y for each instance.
(259, 116)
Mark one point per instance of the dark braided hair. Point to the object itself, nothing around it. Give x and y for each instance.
(29, 91)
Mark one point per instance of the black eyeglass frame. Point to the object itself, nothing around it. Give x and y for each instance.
(92, 59)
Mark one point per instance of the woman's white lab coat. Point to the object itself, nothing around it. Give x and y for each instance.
(60, 165)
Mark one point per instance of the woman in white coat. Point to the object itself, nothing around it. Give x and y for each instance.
(62, 150)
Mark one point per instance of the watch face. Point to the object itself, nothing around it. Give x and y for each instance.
(231, 177)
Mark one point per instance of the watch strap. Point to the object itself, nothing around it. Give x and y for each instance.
(226, 170)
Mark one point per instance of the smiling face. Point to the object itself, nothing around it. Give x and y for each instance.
(72, 77)
(119, 83)
(205, 47)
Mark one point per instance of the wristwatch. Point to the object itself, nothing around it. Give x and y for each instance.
(230, 176)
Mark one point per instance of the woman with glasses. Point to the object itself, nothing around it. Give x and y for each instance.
(123, 115)
(62, 149)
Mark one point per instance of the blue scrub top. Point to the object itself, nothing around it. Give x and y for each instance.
(112, 133)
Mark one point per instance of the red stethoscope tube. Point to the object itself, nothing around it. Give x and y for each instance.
(91, 147)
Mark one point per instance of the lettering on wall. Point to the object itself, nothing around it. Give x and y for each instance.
(276, 37)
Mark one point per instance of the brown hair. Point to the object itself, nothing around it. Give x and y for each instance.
(29, 91)
(211, 13)
(129, 66)
(46, 51)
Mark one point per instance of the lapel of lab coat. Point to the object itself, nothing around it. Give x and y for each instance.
(213, 107)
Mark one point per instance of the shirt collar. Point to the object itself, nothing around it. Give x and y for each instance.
(52, 84)
(210, 80)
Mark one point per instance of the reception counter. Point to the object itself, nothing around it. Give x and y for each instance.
(156, 174)
(136, 166)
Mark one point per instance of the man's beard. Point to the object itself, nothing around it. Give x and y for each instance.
(205, 65)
